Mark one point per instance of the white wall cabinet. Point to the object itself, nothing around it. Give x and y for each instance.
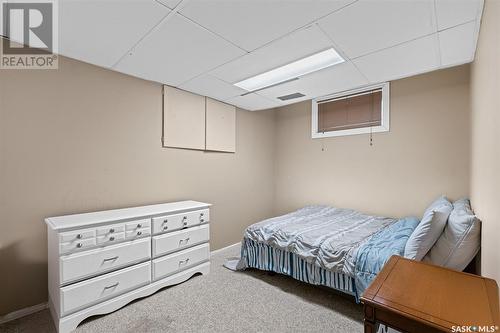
(220, 126)
(192, 121)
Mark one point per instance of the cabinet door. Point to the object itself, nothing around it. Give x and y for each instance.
(221, 126)
(183, 119)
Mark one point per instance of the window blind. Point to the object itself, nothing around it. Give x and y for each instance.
(352, 111)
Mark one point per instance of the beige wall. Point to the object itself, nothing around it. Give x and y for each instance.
(82, 139)
(425, 154)
(485, 165)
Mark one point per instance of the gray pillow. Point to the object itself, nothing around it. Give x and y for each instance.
(461, 238)
(429, 229)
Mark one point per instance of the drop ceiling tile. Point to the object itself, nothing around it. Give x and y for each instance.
(251, 24)
(170, 3)
(450, 13)
(253, 102)
(212, 87)
(457, 44)
(411, 58)
(100, 32)
(367, 26)
(338, 78)
(295, 46)
(177, 51)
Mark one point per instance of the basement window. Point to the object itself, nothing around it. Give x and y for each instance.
(357, 111)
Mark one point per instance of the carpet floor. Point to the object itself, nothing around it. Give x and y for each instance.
(222, 301)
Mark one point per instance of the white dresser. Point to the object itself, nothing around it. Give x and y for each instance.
(99, 262)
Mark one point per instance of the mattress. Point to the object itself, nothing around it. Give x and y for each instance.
(339, 248)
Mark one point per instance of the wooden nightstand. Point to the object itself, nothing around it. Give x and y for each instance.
(413, 296)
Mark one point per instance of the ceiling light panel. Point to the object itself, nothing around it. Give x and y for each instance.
(296, 45)
(292, 70)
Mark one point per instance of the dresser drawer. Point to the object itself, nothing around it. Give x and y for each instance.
(178, 221)
(89, 292)
(97, 261)
(110, 230)
(77, 245)
(179, 261)
(137, 233)
(138, 224)
(110, 238)
(178, 240)
(75, 236)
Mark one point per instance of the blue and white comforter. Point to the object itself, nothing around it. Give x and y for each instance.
(335, 239)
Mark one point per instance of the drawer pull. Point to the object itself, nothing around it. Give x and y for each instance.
(139, 233)
(184, 218)
(185, 261)
(79, 236)
(184, 223)
(111, 230)
(165, 227)
(202, 220)
(112, 286)
(139, 225)
(111, 238)
(110, 259)
(201, 215)
(79, 245)
(165, 221)
(184, 240)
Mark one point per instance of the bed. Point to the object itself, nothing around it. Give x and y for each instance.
(339, 248)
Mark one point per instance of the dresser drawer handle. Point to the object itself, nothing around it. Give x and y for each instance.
(184, 240)
(165, 221)
(79, 236)
(112, 286)
(184, 223)
(165, 227)
(79, 245)
(110, 259)
(185, 261)
(202, 220)
(111, 238)
(111, 230)
(139, 225)
(201, 215)
(139, 233)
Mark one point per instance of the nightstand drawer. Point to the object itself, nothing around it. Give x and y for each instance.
(179, 261)
(178, 240)
(97, 261)
(83, 294)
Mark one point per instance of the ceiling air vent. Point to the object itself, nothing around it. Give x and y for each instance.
(291, 96)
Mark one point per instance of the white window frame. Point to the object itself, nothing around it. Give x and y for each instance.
(384, 127)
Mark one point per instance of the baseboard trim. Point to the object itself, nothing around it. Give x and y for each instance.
(23, 312)
(225, 248)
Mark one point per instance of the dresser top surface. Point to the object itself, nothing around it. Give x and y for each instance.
(66, 222)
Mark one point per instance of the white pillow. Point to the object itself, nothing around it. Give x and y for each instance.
(461, 238)
(429, 229)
